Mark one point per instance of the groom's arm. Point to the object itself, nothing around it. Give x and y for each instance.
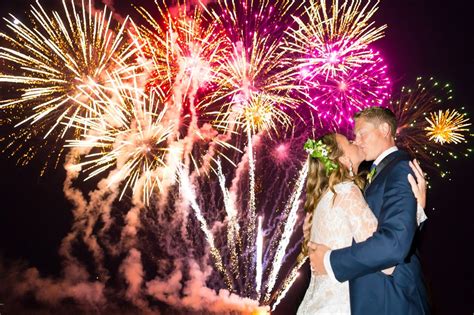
(391, 242)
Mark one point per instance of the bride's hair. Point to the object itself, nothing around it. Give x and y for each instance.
(318, 180)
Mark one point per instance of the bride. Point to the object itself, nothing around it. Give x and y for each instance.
(340, 214)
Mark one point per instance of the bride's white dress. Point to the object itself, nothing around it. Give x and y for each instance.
(336, 221)
(335, 224)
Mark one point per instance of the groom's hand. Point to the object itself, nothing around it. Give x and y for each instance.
(316, 258)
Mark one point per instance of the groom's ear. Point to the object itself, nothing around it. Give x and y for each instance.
(385, 128)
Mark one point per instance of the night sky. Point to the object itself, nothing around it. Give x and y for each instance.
(428, 38)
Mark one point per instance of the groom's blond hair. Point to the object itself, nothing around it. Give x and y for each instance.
(379, 115)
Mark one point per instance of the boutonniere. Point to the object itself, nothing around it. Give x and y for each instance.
(371, 175)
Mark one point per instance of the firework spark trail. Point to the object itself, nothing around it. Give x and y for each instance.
(259, 258)
(288, 282)
(233, 224)
(252, 218)
(187, 192)
(291, 212)
(447, 127)
(57, 58)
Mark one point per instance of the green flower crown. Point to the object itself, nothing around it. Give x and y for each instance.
(320, 151)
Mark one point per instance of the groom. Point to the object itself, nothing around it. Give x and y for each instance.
(390, 197)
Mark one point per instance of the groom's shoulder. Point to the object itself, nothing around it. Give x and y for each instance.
(401, 157)
(400, 163)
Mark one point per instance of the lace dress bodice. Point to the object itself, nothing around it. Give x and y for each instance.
(337, 220)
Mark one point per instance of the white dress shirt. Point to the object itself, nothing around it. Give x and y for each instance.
(384, 154)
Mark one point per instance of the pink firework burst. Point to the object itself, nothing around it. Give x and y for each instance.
(337, 97)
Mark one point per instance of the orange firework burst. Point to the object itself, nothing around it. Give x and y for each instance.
(447, 126)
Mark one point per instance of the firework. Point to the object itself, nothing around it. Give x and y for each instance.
(421, 125)
(189, 194)
(447, 126)
(337, 98)
(334, 62)
(52, 60)
(289, 280)
(257, 68)
(291, 212)
(252, 83)
(185, 48)
(130, 135)
(258, 114)
(335, 39)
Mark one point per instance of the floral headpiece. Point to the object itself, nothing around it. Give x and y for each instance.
(320, 151)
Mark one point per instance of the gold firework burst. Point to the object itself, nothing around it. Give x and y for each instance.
(447, 126)
(258, 113)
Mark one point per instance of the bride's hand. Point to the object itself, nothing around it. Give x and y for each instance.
(418, 186)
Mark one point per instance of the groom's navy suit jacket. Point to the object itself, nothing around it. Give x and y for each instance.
(372, 292)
